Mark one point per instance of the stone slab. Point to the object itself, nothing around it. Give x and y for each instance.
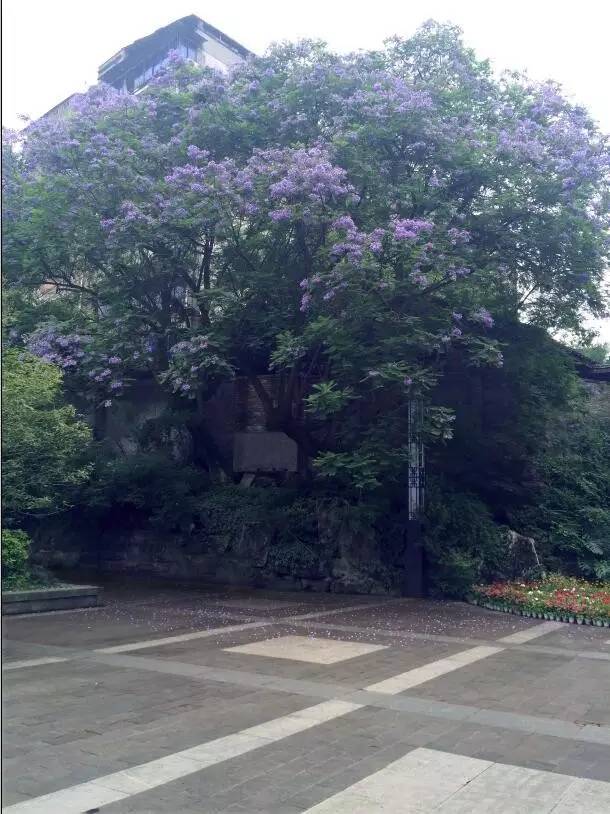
(307, 648)
(40, 600)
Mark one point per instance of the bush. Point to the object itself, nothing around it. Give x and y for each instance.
(15, 558)
(463, 543)
(147, 487)
(44, 445)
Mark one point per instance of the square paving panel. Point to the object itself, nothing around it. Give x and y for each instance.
(307, 648)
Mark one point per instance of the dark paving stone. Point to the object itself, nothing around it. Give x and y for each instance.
(70, 722)
(439, 618)
(533, 684)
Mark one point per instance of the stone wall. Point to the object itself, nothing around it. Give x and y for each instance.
(249, 554)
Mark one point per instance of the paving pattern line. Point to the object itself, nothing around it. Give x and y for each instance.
(440, 710)
(428, 780)
(125, 783)
(18, 665)
(199, 634)
(204, 634)
(403, 633)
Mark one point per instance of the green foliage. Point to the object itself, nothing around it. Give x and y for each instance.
(359, 469)
(570, 512)
(45, 446)
(378, 228)
(146, 487)
(463, 543)
(326, 399)
(597, 353)
(287, 520)
(15, 558)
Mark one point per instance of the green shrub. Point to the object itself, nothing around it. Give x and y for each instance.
(146, 487)
(44, 445)
(15, 557)
(463, 543)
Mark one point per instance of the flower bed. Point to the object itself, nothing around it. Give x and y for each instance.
(563, 599)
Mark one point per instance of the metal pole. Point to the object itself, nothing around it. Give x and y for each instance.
(414, 559)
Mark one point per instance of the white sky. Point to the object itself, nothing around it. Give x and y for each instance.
(52, 48)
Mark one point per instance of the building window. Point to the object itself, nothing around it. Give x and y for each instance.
(145, 72)
(188, 51)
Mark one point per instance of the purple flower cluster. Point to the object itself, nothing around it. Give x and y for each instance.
(64, 350)
(458, 236)
(410, 229)
(483, 316)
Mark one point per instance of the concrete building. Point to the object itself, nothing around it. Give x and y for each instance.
(132, 68)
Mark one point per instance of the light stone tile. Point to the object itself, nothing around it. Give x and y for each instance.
(73, 800)
(418, 782)
(522, 636)
(427, 780)
(435, 669)
(509, 790)
(586, 796)
(18, 665)
(307, 648)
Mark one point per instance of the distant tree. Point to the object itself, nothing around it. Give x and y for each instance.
(598, 353)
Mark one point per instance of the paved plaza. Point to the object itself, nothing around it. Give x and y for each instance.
(184, 700)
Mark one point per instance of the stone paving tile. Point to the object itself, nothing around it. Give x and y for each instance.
(530, 751)
(313, 766)
(277, 779)
(67, 723)
(18, 651)
(356, 672)
(535, 684)
(126, 618)
(580, 637)
(95, 720)
(440, 618)
(109, 625)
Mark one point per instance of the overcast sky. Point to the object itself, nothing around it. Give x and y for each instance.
(51, 49)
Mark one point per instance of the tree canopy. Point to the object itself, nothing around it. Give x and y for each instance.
(352, 223)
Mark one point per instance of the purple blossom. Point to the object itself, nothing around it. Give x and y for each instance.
(278, 215)
(457, 316)
(409, 229)
(344, 222)
(283, 189)
(419, 279)
(483, 316)
(458, 236)
(196, 154)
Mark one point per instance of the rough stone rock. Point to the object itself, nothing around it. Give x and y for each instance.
(522, 557)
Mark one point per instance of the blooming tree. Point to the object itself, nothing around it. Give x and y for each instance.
(350, 222)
